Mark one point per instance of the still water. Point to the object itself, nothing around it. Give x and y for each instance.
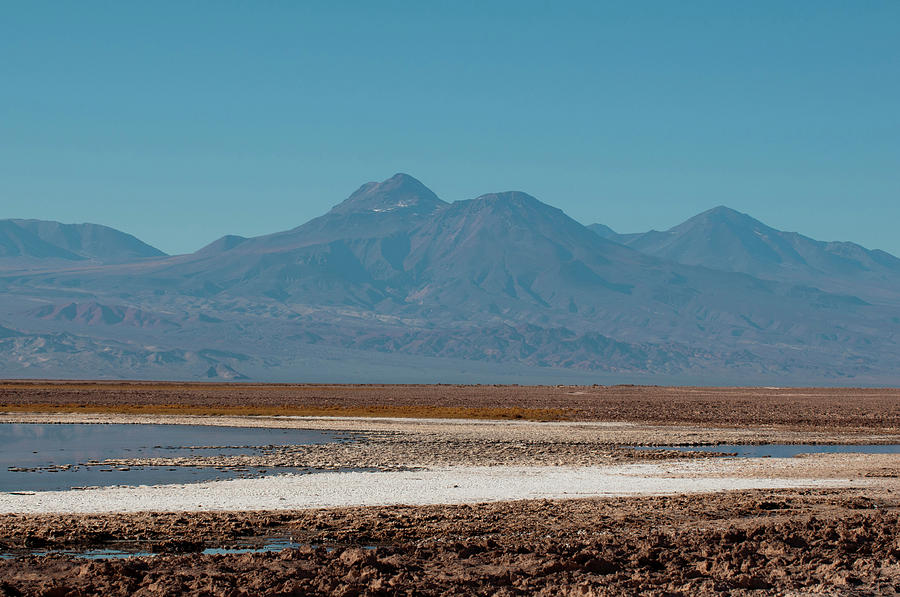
(118, 554)
(39, 446)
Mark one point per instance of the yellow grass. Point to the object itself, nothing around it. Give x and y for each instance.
(419, 412)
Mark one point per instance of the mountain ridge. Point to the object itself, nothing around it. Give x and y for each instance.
(43, 239)
(725, 239)
(502, 282)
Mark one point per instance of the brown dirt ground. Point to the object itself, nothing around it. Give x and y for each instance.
(841, 542)
(795, 408)
(787, 542)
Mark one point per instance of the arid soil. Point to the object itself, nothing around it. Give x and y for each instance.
(792, 542)
(799, 408)
(788, 542)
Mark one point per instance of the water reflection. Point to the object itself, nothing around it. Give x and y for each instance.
(63, 450)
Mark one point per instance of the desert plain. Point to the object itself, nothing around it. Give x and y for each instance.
(441, 489)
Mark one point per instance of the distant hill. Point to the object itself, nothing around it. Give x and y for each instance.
(93, 313)
(18, 241)
(727, 240)
(42, 239)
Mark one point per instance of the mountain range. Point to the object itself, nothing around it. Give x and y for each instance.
(394, 284)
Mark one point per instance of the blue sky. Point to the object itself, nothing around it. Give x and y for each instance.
(183, 121)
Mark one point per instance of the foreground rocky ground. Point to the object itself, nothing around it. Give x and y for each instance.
(792, 542)
(788, 542)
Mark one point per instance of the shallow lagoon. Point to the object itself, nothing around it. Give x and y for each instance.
(43, 446)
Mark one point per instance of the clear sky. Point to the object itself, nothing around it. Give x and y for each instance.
(182, 121)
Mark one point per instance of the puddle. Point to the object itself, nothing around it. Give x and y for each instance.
(65, 448)
(274, 546)
(116, 554)
(780, 450)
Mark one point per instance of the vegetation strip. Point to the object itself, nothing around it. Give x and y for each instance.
(417, 412)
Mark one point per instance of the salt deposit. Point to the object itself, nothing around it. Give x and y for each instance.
(440, 485)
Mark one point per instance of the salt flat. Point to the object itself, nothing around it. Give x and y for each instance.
(439, 485)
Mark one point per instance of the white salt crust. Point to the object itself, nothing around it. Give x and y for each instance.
(444, 485)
